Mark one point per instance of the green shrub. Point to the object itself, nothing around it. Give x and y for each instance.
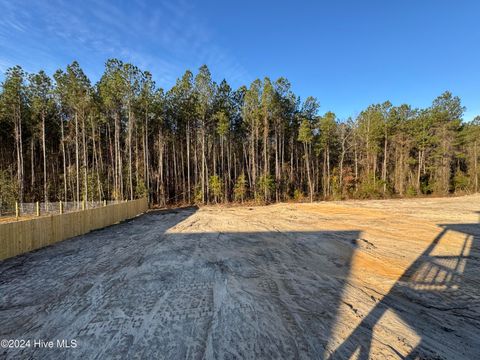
(240, 189)
(265, 186)
(427, 187)
(461, 181)
(197, 199)
(368, 188)
(298, 195)
(141, 189)
(215, 186)
(411, 191)
(8, 191)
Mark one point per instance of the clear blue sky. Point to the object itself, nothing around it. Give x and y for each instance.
(348, 54)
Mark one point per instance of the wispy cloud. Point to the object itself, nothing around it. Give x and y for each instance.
(163, 37)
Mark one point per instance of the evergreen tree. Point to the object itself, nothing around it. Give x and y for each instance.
(200, 141)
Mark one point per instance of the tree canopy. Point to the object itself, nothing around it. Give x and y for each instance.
(64, 138)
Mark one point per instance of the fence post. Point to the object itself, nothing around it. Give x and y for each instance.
(38, 208)
(61, 207)
(16, 210)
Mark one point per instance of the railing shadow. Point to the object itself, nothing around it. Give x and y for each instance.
(433, 287)
(153, 288)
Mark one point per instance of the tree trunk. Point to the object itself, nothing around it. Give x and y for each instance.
(384, 169)
(419, 170)
(44, 153)
(19, 141)
(85, 159)
(475, 165)
(32, 163)
(77, 163)
(189, 186)
(307, 163)
(130, 175)
(65, 180)
(204, 180)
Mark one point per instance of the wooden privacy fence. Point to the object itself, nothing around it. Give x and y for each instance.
(22, 236)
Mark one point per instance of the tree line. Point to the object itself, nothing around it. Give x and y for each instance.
(64, 138)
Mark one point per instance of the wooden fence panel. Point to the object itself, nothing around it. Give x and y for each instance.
(22, 236)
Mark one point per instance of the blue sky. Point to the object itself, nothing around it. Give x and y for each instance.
(348, 54)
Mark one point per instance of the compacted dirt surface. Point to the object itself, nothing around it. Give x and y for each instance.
(357, 279)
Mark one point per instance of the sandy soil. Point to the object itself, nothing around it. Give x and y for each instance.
(357, 279)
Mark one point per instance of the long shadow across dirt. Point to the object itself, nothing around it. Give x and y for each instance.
(140, 290)
(135, 290)
(433, 287)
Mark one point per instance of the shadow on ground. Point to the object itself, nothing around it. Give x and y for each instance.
(437, 296)
(136, 290)
(139, 290)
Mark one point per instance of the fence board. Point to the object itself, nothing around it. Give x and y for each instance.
(26, 235)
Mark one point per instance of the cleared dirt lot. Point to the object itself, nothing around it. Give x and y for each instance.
(373, 279)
